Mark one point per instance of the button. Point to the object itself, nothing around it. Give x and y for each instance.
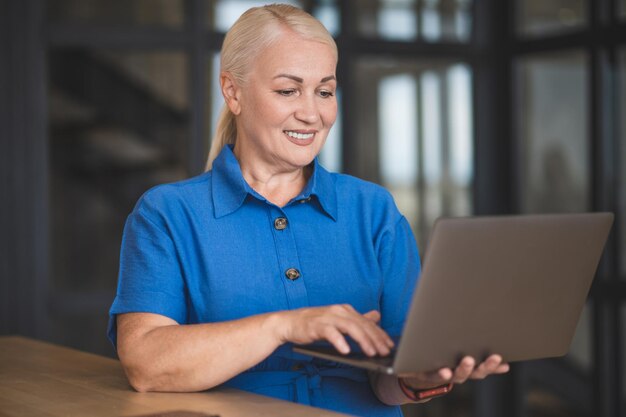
(280, 223)
(292, 274)
(305, 200)
(297, 367)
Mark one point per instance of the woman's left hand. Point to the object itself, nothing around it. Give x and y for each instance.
(466, 369)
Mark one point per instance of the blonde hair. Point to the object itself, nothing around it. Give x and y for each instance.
(257, 29)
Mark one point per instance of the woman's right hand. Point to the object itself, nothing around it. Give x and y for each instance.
(331, 323)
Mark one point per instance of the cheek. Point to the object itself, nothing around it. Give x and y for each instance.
(271, 112)
(256, 104)
(329, 114)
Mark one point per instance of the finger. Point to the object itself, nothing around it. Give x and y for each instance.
(488, 367)
(373, 316)
(445, 374)
(502, 367)
(382, 339)
(349, 309)
(356, 332)
(335, 337)
(341, 310)
(372, 339)
(366, 334)
(463, 370)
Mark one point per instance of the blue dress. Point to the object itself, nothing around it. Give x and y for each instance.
(211, 249)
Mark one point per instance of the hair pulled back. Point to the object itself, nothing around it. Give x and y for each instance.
(255, 30)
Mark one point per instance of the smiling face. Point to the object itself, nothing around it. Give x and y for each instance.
(287, 105)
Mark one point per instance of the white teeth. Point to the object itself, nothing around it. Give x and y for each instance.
(299, 135)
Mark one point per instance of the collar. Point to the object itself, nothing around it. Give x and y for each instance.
(230, 190)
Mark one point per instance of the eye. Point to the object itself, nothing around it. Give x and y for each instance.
(286, 93)
(326, 94)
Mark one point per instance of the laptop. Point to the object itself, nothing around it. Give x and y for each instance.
(512, 285)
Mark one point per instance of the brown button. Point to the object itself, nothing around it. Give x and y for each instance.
(280, 223)
(297, 367)
(292, 274)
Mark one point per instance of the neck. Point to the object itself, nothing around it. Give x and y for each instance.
(277, 184)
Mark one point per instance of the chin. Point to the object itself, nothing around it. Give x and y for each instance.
(302, 162)
(303, 156)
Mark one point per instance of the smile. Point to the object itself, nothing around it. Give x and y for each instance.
(299, 135)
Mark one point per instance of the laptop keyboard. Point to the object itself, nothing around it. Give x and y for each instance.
(356, 355)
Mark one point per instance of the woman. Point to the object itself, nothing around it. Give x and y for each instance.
(220, 274)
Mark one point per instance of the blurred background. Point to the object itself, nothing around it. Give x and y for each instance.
(459, 107)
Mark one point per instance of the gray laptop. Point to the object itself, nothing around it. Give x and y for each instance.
(513, 285)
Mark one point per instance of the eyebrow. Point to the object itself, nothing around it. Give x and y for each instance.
(300, 80)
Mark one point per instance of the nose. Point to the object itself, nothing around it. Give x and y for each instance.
(307, 110)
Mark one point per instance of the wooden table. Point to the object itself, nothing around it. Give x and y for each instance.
(43, 380)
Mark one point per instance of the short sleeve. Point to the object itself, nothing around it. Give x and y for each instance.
(400, 264)
(150, 278)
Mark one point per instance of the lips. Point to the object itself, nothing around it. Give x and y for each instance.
(301, 138)
(297, 135)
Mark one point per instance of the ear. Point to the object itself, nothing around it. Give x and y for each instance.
(231, 92)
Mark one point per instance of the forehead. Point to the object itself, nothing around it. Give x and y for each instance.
(292, 54)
